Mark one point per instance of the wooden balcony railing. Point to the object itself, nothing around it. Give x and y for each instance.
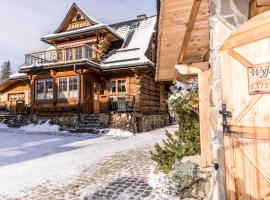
(63, 55)
(118, 104)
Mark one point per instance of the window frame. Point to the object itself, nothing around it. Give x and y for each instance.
(78, 53)
(117, 86)
(44, 90)
(68, 87)
(69, 54)
(88, 52)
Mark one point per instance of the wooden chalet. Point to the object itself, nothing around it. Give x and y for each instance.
(91, 67)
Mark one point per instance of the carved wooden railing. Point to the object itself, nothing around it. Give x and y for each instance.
(63, 55)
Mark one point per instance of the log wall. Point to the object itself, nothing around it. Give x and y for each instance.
(152, 95)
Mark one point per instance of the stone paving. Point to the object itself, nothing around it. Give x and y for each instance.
(122, 176)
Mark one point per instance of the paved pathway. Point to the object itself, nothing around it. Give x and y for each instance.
(122, 175)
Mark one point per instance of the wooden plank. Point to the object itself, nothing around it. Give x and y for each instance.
(190, 25)
(250, 104)
(230, 168)
(245, 62)
(261, 133)
(252, 159)
(254, 30)
(204, 109)
(186, 70)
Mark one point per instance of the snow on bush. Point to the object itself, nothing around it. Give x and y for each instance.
(119, 133)
(158, 181)
(45, 127)
(3, 125)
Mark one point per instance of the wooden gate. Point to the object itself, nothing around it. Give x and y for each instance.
(245, 61)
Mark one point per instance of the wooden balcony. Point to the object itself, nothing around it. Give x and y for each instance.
(64, 55)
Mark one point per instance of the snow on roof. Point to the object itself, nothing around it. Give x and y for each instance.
(75, 6)
(81, 30)
(93, 19)
(137, 36)
(17, 75)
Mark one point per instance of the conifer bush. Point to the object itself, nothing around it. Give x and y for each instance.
(187, 181)
(185, 141)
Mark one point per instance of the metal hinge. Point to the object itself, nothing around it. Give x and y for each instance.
(225, 115)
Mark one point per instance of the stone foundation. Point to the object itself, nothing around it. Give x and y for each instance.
(133, 122)
(137, 123)
(125, 121)
(151, 122)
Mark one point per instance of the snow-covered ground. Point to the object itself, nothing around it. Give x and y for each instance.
(29, 159)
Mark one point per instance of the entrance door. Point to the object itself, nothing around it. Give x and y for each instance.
(246, 94)
(96, 95)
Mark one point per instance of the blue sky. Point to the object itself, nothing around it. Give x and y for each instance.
(24, 22)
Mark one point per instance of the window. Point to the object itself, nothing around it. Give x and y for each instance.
(73, 87)
(68, 87)
(18, 96)
(121, 85)
(113, 86)
(118, 86)
(49, 89)
(78, 53)
(88, 52)
(69, 54)
(63, 88)
(44, 89)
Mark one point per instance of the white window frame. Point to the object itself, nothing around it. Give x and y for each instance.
(69, 54)
(68, 88)
(116, 86)
(78, 55)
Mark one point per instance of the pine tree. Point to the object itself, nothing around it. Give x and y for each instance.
(185, 141)
(5, 71)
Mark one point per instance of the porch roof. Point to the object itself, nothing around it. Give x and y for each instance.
(183, 36)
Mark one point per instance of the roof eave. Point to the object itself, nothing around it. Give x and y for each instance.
(47, 38)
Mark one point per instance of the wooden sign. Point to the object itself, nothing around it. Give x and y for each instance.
(259, 79)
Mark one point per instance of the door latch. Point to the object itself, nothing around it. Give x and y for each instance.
(225, 115)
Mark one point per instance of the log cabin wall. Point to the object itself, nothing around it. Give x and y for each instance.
(152, 95)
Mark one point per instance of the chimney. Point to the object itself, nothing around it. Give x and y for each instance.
(143, 16)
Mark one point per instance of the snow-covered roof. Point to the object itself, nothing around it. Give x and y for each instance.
(13, 78)
(137, 36)
(18, 75)
(81, 30)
